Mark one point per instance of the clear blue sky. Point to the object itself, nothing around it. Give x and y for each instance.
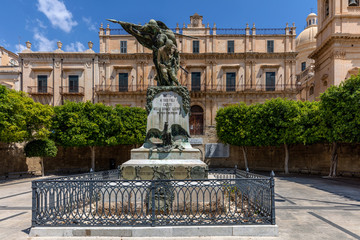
(75, 22)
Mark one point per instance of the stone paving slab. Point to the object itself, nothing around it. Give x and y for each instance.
(308, 207)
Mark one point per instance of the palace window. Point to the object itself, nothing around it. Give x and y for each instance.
(270, 81)
(123, 46)
(73, 83)
(196, 48)
(42, 83)
(230, 81)
(353, 3)
(230, 47)
(195, 81)
(303, 66)
(270, 46)
(123, 82)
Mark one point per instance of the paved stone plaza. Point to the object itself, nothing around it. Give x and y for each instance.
(308, 207)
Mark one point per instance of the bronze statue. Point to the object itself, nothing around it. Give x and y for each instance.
(156, 36)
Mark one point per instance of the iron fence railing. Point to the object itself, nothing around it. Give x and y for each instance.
(40, 90)
(102, 199)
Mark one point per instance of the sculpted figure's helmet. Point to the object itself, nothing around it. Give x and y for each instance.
(152, 22)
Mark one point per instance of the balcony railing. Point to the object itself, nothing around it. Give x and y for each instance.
(307, 73)
(241, 88)
(113, 89)
(230, 31)
(75, 90)
(220, 31)
(116, 89)
(270, 31)
(38, 90)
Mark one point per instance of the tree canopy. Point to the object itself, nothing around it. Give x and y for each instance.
(21, 119)
(41, 148)
(340, 110)
(273, 123)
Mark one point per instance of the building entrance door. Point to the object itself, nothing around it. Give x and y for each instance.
(197, 120)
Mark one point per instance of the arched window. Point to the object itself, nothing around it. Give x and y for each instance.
(327, 8)
(311, 91)
(353, 3)
(197, 120)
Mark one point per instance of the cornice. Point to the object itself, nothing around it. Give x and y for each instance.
(14, 55)
(38, 55)
(326, 44)
(148, 56)
(248, 55)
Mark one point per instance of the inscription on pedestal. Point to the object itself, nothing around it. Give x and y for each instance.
(167, 107)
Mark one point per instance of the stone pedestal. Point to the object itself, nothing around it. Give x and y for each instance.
(168, 118)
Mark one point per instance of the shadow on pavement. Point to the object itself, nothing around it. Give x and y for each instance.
(341, 186)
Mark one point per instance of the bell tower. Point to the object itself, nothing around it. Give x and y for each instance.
(337, 43)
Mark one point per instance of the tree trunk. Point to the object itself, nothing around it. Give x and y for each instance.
(92, 157)
(42, 167)
(245, 157)
(286, 159)
(334, 160)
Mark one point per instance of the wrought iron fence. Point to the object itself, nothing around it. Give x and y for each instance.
(102, 199)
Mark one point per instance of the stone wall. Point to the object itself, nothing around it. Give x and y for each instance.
(68, 160)
(73, 160)
(314, 159)
(12, 159)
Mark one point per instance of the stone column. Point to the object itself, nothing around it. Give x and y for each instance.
(293, 72)
(247, 80)
(253, 75)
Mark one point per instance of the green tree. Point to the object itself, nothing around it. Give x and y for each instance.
(86, 124)
(340, 110)
(276, 122)
(41, 148)
(233, 127)
(279, 125)
(133, 120)
(21, 119)
(311, 124)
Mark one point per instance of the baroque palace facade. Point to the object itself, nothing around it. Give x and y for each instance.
(332, 47)
(219, 67)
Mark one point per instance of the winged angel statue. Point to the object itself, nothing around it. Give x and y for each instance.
(156, 36)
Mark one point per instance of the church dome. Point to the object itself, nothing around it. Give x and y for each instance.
(308, 35)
